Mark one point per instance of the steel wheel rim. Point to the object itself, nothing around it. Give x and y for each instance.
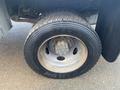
(62, 59)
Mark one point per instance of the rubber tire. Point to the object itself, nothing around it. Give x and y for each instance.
(59, 27)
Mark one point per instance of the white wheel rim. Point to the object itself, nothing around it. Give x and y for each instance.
(62, 53)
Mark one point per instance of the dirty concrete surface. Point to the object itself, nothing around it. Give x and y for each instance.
(16, 75)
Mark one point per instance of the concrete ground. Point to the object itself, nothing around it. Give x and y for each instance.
(16, 75)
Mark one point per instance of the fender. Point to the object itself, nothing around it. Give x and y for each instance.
(108, 28)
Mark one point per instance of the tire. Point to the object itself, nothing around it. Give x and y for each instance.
(62, 24)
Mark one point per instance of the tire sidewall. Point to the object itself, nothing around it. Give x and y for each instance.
(37, 37)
